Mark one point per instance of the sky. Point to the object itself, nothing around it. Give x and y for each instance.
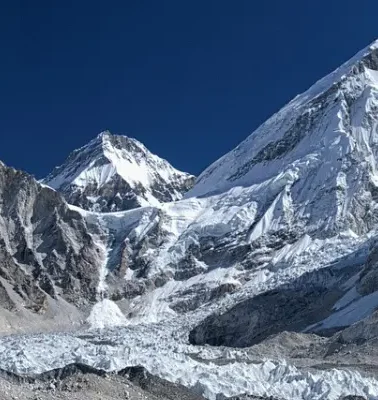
(189, 79)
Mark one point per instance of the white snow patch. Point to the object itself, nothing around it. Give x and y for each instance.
(106, 314)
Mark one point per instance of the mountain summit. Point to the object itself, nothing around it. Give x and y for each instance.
(115, 173)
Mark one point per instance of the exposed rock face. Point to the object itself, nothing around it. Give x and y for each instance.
(368, 281)
(290, 307)
(45, 247)
(157, 386)
(115, 173)
(80, 381)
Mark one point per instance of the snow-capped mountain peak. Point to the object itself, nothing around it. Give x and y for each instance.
(114, 172)
(287, 137)
(320, 149)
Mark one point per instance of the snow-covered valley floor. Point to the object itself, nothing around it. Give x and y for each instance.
(208, 371)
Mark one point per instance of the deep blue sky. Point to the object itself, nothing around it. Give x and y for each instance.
(190, 79)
